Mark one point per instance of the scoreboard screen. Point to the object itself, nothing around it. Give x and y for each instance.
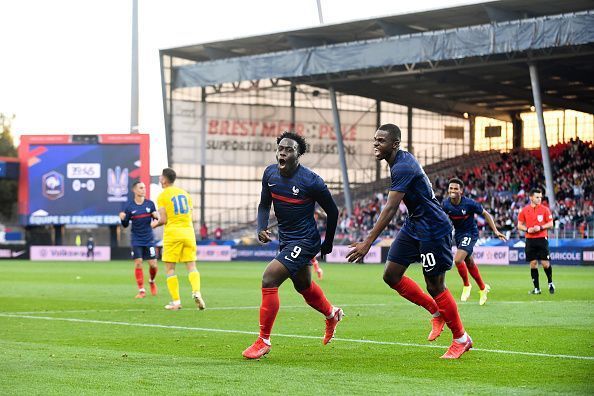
(79, 179)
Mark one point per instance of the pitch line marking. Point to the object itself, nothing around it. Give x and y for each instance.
(148, 308)
(151, 308)
(362, 341)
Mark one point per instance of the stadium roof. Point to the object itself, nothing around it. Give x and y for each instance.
(462, 59)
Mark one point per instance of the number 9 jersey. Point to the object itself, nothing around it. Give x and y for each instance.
(178, 206)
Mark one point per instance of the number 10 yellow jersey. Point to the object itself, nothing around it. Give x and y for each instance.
(178, 206)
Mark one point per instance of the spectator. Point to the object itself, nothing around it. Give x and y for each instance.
(203, 232)
(91, 248)
(501, 187)
(218, 233)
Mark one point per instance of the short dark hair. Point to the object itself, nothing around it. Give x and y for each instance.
(393, 130)
(535, 190)
(302, 145)
(136, 182)
(456, 181)
(169, 174)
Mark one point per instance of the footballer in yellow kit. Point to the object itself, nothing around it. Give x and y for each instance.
(179, 240)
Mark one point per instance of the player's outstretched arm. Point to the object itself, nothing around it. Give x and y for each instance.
(491, 222)
(327, 203)
(361, 248)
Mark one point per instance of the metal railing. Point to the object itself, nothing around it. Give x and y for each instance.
(570, 231)
(233, 220)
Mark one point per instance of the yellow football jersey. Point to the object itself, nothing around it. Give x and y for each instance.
(178, 206)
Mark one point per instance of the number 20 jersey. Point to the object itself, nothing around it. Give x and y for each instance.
(178, 206)
(426, 219)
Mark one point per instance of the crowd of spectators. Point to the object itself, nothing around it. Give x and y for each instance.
(502, 187)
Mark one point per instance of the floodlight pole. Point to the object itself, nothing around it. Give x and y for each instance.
(134, 71)
(544, 146)
(203, 127)
(339, 143)
(320, 16)
(409, 131)
(341, 155)
(293, 120)
(378, 123)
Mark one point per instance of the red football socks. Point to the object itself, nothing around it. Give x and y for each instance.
(449, 311)
(410, 290)
(475, 273)
(316, 299)
(139, 278)
(268, 310)
(153, 273)
(463, 271)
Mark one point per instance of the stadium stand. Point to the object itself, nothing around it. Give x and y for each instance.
(501, 182)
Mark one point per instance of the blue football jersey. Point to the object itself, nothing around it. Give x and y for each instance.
(294, 200)
(426, 219)
(141, 217)
(462, 215)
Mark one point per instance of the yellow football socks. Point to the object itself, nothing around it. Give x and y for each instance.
(194, 277)
(173, 286)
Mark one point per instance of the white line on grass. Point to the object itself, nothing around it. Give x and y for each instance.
(151, 308)
(362, 341)
(284, 307)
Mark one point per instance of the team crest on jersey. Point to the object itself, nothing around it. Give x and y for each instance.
(295, 190)
(463, 211)
(148, 210)
(539, 217)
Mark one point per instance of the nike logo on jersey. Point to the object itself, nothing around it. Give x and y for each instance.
(133, 211)
(295, 190)
(270, 184)
(289, 259)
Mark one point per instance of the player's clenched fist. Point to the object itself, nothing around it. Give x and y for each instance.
(264, 236)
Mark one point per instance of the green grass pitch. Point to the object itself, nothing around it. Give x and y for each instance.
(75, 328)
